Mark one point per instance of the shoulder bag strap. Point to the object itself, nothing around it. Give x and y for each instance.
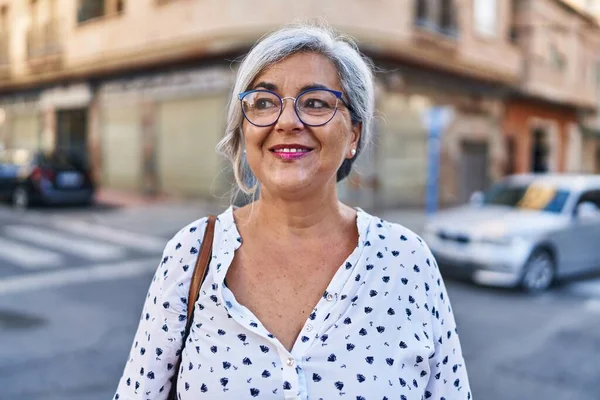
(200, 271)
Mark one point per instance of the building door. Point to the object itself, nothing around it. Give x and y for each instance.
(122, 146)
(25, 131)
(511, 150)
(71, 132)
(188, 131)
(473, 169)
(540, 151)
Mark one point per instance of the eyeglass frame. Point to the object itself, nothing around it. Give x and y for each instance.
(337, 93)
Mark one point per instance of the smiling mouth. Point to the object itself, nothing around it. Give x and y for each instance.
(291, 152)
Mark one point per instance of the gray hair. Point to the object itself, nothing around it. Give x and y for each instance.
(355, 73)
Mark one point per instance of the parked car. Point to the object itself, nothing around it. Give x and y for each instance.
(527, 230)
(58, 177)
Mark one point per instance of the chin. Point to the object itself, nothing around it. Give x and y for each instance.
(291, 185)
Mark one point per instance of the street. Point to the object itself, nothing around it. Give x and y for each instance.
(72, 284)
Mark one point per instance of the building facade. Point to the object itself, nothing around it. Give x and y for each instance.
(545, 118)
(141, 88)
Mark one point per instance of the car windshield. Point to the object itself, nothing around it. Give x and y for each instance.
(533, 196)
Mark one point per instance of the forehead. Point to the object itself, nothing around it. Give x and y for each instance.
(299, 70)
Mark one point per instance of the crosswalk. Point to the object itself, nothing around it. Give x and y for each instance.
(104, 251)
(27, 256)
(59, 244)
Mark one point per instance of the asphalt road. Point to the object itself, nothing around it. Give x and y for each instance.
(67, 321)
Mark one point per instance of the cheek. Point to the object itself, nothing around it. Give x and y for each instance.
(336, 141)
(254, 136)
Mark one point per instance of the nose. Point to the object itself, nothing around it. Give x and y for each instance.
(288, 120)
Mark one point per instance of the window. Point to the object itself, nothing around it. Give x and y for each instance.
(540, 152)
(485, 13)
(92, 9)
(447, 21)
(530, 196)
(437, 16)
(591, 196)
(421, 13)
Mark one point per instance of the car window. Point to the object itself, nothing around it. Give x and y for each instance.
(57, 160)
(592, 196)
(541, 197)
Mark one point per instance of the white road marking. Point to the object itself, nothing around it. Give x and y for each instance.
(55, 240)
(29, 257)
(64, 277)
(117, 236)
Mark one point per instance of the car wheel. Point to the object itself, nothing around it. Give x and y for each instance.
(20, 198)
(539, 272)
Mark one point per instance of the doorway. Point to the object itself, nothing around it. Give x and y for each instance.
(540, 151)
(473, 169)
(71, 133)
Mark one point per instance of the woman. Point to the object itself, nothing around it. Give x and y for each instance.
(306, 298)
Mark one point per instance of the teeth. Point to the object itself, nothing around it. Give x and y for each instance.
(288, 150)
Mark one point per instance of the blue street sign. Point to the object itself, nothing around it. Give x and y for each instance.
(436, 119)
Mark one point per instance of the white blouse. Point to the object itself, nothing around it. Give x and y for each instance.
(383, 329)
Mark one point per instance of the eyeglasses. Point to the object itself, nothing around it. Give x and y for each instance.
(314, 107)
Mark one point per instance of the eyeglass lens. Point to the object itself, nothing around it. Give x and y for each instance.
(315, 107)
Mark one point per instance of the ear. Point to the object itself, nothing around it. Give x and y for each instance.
(356, 132)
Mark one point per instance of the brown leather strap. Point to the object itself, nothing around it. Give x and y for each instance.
(201, 267)
(200, 271)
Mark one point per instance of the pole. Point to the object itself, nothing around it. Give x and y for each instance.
(433, 160)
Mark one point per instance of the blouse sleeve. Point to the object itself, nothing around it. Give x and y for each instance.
(448, 374)
(158, 340)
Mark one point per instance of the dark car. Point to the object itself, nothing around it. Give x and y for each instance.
(57, 177)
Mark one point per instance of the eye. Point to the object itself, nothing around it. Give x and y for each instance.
(317, 101)
(264, 103)
(314, 103)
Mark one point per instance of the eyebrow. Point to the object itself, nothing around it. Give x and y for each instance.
(265, 85)
(273, 87)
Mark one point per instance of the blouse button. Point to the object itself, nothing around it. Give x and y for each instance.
(309, 328)
(290, 362)
(329, 297)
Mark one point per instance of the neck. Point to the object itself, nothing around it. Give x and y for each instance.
(309, 217)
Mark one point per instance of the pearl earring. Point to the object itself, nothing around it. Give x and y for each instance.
(353, 152)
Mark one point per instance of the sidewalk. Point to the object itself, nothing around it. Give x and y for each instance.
(117, 198)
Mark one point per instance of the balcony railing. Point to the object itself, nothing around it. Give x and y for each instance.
(44, 41)
(4, 53)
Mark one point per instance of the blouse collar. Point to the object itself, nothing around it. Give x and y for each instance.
(230, 239)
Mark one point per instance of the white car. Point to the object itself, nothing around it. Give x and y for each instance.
(527, 230)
